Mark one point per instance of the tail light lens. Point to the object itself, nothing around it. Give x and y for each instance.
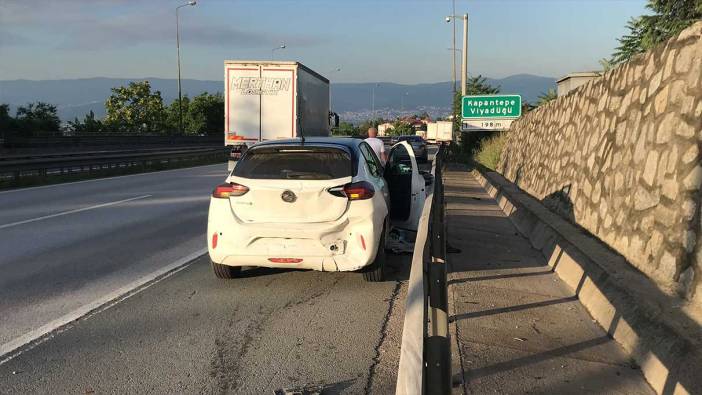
(224, 191)
(361, 190)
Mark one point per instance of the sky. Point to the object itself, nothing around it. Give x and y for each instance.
(401, 41)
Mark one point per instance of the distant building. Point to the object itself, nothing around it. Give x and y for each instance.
(384, 127)
(574, 80)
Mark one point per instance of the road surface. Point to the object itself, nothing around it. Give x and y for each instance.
(64, 247)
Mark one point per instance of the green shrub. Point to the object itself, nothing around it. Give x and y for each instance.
(490, 150)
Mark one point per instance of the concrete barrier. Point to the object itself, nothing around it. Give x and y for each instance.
(650, 324)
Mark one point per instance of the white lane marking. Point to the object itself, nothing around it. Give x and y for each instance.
(15, 348)
(78, 210)
(107, 178)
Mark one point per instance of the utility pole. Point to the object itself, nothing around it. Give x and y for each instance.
(464, 64)
(180, 97)
(453, 45)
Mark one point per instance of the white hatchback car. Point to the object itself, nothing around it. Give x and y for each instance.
(323, 204)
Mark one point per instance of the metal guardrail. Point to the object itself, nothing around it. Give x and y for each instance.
(88, 140)
(425, 354)
(15, 169)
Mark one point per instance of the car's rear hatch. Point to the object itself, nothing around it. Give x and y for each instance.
(289, 184)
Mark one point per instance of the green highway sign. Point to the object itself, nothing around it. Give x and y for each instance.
(492, 106)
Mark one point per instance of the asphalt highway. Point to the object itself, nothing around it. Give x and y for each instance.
(64, 247)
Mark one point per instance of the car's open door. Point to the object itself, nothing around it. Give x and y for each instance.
(406, 186)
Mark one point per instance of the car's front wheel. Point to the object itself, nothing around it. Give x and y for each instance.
(225, 271)
(375, 272)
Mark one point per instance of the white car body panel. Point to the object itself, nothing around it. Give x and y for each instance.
(326, 232)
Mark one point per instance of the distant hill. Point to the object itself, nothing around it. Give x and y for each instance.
(76, 97)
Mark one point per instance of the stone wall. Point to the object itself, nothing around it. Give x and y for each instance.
(620, 156)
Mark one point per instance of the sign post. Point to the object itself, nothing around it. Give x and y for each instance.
(489, 112)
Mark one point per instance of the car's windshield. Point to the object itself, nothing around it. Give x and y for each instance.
(302, 163)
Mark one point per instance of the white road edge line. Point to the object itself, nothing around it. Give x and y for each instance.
(15, 348)
(78, 210)
(105, 178)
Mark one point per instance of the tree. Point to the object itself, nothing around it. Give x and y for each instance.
(206, 114)
(347, 129)
(669, 17)
(6, 120)
(172, 117)
(135, 109)
(36, 117)
(400, 129)
(606, 64)
(546, 97)
(89, 125)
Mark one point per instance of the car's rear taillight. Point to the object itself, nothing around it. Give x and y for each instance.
(224, 191)
(354, 191)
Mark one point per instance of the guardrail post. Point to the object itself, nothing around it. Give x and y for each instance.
(437, 344)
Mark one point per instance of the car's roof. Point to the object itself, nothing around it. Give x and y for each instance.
(349, 142)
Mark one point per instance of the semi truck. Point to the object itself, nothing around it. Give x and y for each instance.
(267, 100)
(439, 131)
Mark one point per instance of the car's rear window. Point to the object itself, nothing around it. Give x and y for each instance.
(294, 163)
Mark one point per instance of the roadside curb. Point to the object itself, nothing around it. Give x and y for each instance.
(647, 322)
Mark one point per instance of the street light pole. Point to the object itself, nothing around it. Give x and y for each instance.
(453, 46)
(402, 101)
(464, 62)
(180, 96)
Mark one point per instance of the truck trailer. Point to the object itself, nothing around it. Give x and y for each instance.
(267, 100)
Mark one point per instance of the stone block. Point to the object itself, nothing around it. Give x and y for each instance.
(654, 83)
(665, 216)
(668, 69)
(683, 62)
(685, 130)
(666, 127)
(693, 180)
(661, 100)
(689, 207)
(640, 150)
(672, 160)
(646, 223)
(643, 199)
(668, 266)
(691, 154)
(669, 189)
(653, 247)
(649, 173)
(597, 192)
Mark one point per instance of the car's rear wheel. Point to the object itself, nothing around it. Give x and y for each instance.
(225, 271)
(375, 272)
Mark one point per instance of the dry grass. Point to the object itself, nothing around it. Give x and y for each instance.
(490, 150)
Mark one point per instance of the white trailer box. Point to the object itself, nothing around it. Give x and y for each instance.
(267, 100)
(431, 131)
(444, 131)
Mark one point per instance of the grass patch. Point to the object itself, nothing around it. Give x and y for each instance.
(490, 151)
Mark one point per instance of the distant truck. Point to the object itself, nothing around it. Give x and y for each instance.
(267, 100)
(439, 131)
